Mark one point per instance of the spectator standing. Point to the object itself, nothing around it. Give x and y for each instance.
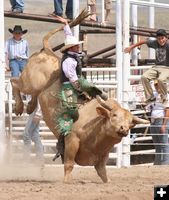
(31, 133)
(92, 9)
(159, 128)
(16, 51)
(58, 8)
(108, 7)
(17, 6)
(161, 70)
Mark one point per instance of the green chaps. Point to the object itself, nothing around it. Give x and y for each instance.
(69, 106)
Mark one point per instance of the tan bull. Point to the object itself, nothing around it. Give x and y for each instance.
(100, 126)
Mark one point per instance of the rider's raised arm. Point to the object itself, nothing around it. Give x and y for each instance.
(67, 30)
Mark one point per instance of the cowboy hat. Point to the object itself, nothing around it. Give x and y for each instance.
(70, 41)
(17, 29)
(161, 32)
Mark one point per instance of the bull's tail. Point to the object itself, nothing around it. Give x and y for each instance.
(84, 14)
(75, 22)
(48, 35)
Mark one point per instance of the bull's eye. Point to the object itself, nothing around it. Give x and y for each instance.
(114, 115)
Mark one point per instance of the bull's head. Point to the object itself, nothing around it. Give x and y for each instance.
(119, 120)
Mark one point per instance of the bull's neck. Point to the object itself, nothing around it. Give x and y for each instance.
(97, 131)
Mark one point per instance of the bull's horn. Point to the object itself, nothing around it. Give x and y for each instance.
(138, 120)
(103, 103)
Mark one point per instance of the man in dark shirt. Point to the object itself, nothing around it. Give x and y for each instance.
(161, 70)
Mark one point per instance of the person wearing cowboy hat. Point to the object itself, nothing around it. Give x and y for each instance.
(74, 85)
(16, 51)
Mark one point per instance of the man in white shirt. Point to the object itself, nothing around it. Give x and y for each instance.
(17, 51)
(159, 128)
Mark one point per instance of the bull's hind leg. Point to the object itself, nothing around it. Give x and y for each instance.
(71, 149)
(19, 106)
(31, 105)
(101, 169)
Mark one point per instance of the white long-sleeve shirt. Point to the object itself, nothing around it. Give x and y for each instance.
(16, 49)
(69, 64)
(67, 30)
(69, 68)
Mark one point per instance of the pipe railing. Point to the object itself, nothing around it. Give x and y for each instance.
(102, 51)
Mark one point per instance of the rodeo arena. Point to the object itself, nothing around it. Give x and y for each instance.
(106, 164)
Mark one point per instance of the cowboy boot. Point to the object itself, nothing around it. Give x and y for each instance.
(60, 146)
(104, 96)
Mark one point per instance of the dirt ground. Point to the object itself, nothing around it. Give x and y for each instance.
(134, 183)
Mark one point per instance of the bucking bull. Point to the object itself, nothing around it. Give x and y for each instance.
(100, 126)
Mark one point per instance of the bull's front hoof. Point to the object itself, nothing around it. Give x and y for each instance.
(30, 109)
(18, 109)
(67, 179)
(105, 180)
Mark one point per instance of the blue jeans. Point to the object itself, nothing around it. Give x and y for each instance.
(19, 4)
(31, 133)
(59, 8)
(161, 143)
(17, 66)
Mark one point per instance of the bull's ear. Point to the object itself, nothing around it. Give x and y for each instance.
(103, 112)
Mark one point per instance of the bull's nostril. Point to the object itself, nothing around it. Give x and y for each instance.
(121, 128)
